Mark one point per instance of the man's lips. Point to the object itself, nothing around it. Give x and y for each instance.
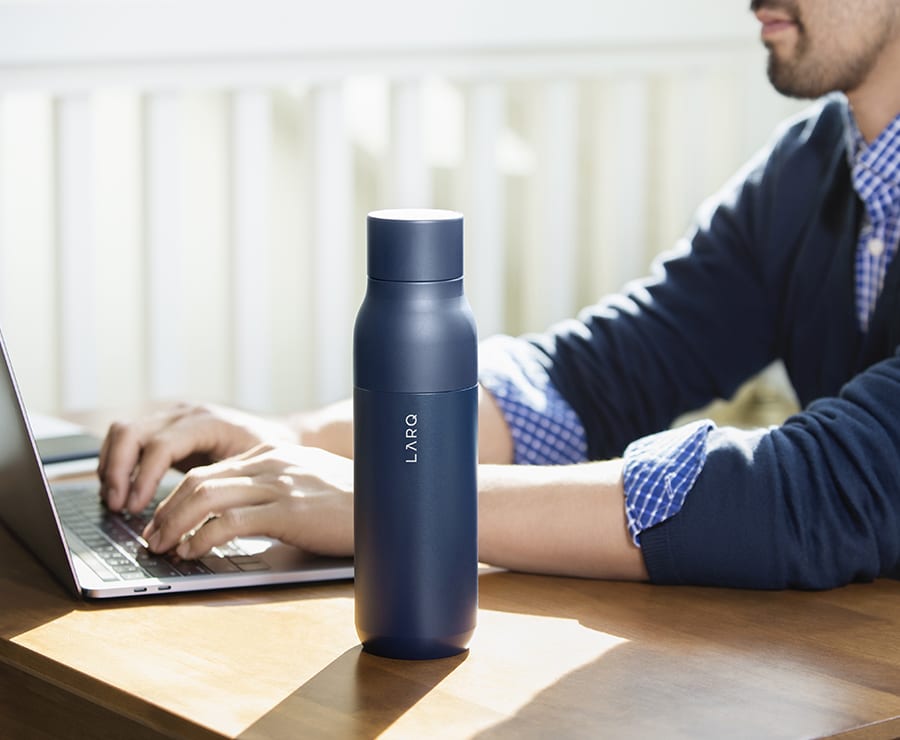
(775, 22)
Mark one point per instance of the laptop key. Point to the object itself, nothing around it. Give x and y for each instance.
(95, 541)
(248, 562)
(131, 574)
(251, 564)
(191, 568)
(99, 567)
(133, 547)
(116, 531)
(89, 558)
(160, 569)
(219, 565)
(155, 565)
(137, 522)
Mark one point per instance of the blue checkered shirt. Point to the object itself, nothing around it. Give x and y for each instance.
(876, 179)
(659, 470)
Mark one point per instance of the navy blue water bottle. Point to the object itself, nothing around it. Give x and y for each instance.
(415, 416)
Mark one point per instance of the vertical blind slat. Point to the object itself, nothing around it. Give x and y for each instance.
(408, 176)
(629, 161)
(332, 216)
(251, 157)
(76, 265)
(557, 188)
(698, 144)
(5, 304)
(163, 219)
(485, 207)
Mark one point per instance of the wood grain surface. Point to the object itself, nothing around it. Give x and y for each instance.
(551, 657)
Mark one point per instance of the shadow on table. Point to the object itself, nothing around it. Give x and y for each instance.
(25, 584)
(357, 695)
(703, 663)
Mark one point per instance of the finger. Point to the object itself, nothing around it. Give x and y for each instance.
(160, 453)
(120, 452)
(182, 492)
(240, 521)
(239, 467)
(210, 498)
(261, 449)
(186, 435)
(101, 465)
(102, 455)
(122, 448)
(233, 467)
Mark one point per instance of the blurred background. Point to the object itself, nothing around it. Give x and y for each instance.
(183, 185)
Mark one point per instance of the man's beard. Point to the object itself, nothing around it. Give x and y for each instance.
(817, 68)
(804, 76)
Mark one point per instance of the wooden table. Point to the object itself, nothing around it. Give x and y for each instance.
(552, 657)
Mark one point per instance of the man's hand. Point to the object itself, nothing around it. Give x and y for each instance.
(300, 495)
(135, 455)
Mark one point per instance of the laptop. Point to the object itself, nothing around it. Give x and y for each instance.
(100, 554)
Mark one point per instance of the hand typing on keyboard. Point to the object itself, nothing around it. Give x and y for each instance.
(300, 495)
(136, 455)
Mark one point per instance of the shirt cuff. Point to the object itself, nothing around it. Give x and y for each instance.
(659, 471)
(545, 429)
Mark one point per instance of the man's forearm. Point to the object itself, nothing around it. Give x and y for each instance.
(561, 520)
(331, 428)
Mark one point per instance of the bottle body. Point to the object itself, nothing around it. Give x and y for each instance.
(415, 522)
(415, 449)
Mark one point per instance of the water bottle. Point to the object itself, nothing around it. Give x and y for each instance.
(415, 416)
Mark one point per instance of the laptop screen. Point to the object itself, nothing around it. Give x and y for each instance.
(25, 503)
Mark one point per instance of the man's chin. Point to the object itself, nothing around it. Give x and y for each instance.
(785, 80)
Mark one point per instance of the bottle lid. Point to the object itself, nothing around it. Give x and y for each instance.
(413, 245)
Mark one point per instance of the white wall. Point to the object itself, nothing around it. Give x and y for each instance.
(593, 128)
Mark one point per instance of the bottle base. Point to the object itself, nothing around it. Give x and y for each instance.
(404, 648)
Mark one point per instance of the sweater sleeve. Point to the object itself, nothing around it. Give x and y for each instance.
(708, 318)
(814, 503)
(693, 332)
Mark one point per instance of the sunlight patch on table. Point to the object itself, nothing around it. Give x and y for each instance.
(512, 659)
(225, 658)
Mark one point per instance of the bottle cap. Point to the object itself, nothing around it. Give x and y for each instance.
(413, 245)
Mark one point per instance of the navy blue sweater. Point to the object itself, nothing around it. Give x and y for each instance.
(767, 273)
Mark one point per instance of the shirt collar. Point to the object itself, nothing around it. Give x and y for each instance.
(876, 164)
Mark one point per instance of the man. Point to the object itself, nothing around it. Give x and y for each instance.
(793, 260)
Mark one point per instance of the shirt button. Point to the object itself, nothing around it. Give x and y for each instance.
(875, 246)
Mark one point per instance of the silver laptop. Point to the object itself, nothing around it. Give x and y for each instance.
(99, 554)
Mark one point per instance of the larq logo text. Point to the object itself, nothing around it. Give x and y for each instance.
(412, 441)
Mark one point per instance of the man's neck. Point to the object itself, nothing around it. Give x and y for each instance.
(876, 102)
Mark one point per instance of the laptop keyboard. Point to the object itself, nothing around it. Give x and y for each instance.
(111, 545)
